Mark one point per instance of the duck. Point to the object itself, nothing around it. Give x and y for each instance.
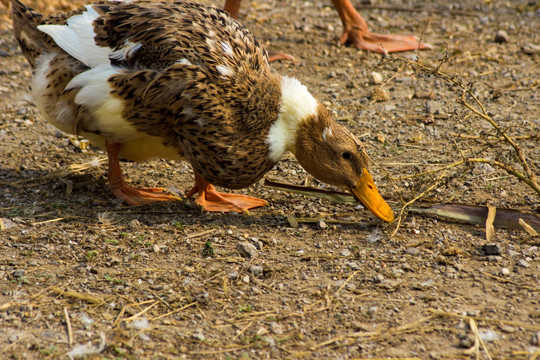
(183, 81)
(355, 32)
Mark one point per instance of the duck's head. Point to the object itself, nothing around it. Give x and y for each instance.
(324, 148)
(330, 153)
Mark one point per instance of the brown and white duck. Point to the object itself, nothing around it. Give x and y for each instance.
(183, 81)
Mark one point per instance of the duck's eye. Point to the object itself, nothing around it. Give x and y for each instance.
(346, 155)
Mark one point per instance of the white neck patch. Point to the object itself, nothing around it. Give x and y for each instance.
(297, 104)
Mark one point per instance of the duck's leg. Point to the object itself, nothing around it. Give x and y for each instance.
(212, 200)
(131, 195)
(355, 32)
(233, 8)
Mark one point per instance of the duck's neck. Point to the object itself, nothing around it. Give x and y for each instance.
(296, 105)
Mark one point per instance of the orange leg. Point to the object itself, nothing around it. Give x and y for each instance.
(212, 200)
(356, 33)
(131, 195)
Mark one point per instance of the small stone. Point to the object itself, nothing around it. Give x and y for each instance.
(19, 273)
(412, 251)
(321, 224)
(507, 329)
(535, 339)
(375, 78)
(139, 324)
(512, 253)
(276, 328)
(6, 224)
(246, 249)
(501, 36)
(523, 263)
(434, 107)
(3, 53)
(489, 335)
(258, 243)
(466, 341)
(134, 224)
(491, 249)
(374, 237)
(269, 340)
(345, 252)
(199, 335)
(233, 275)
(505, 271)
(427, 284)
(257, 270)
(531, 49)
(378, 278)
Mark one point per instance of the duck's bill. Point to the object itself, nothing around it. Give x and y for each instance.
(366, 192)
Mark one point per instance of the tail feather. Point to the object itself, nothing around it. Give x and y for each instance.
(25, 21)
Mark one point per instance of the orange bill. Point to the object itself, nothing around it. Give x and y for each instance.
(366, 192)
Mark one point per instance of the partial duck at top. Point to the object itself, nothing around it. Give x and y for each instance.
(183, 81)
(355, 32)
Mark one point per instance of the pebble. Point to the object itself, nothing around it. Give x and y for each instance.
(507, 329)
(19, 273)
(375, 78)
(523, 263)
(199, 335)
(6, 223)
(276, 328)
(412, 251)
(505, 271)
(501, 36)
(246, 249)
(491, 249)
(378, 278)
(512, 253)
(489, 335)
(134, 224)
(531, 49)
(257, 270)
(321, 224)
(466, 341)
(374, 237)
(258, 243)
(434, 107)
(269, 340)
(535, 339)
(345, 252)
(139, 324)
(4, 53)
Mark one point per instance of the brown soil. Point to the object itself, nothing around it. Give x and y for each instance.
(167, 281)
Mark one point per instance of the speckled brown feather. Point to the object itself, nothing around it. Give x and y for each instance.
(218, 122)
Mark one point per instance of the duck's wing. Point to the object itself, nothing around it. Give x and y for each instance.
(155, 35)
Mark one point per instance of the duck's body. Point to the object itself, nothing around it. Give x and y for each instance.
(177, 81)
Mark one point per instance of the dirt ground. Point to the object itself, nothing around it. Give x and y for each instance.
(81, 273)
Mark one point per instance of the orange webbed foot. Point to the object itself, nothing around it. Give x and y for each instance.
(212, 200)
(131, 195)
(275, 56)
(382, 44)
